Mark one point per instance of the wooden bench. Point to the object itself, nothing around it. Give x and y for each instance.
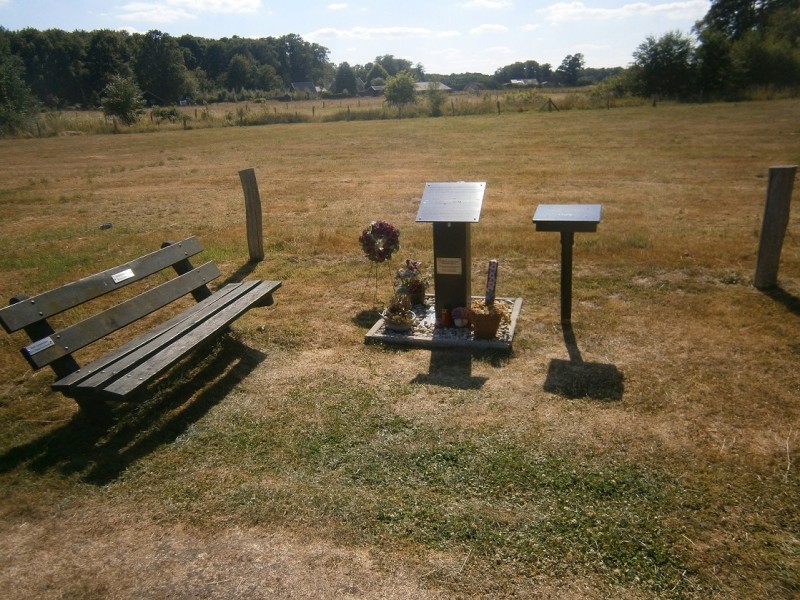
(132, 366)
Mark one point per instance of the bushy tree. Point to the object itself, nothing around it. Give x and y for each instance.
(345, 80)
(570, 68)
(160, 69)
(663, 66)
(123, 100)
(376, 71)
(436, 98)
(17, 104)
(401, 90)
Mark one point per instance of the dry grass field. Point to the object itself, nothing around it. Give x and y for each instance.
(296, 461)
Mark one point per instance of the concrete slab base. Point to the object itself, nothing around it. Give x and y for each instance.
(425, 334)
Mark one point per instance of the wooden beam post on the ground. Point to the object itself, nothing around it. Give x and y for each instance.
(252, 203)
(773, 229)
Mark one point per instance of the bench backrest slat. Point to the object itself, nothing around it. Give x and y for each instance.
(68, 340)
(24, 313)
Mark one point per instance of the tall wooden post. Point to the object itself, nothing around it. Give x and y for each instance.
(773, 228)
(252, 203)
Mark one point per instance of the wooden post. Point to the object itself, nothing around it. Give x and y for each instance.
(252, 203)
(773, 228)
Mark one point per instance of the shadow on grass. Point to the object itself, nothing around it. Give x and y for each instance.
(241, 273)
(367, 318)
(99, 446)
(451, 368)
(575, 378)
(790, 301)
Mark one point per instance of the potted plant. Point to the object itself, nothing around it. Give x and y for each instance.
(398, 316)
(486, 318)
(411, 281)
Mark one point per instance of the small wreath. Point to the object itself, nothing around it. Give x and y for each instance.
(379, 241)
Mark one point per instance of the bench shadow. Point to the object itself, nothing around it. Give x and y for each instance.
(575, 378)
(98, 446)
(780, 295)
(451, 368)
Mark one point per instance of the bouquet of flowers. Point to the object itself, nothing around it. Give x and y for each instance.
(410, 280)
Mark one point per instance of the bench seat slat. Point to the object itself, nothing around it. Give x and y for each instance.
(136, 343)
(156, 353)
(79, 335)
(21, 314)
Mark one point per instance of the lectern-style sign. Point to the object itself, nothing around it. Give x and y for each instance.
(567, 219)
(452, 208)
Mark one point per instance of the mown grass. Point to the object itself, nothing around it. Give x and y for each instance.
(660, 463)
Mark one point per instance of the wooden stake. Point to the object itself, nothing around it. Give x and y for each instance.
(252, 203)
(773, 229)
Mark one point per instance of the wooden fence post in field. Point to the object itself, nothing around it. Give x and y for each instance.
(252, 204)
(773, 229)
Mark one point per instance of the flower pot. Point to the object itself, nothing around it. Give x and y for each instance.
(485, 326)
(403, 324)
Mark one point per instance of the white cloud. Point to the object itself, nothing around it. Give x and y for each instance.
(531, 27)
(169, 11)
(339, 6)
(378, 33)
(218, 6)
(488, 28)
(563, 12)
(488, 4)
(153, 13)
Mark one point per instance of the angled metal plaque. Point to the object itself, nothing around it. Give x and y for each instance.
(455, 202)
(567, 217)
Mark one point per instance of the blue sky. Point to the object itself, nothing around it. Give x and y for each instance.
(446, 36)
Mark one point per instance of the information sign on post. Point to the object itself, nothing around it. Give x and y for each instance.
(567, 219)
(452, 208)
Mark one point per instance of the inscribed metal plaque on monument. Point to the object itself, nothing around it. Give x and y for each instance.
(451, 202)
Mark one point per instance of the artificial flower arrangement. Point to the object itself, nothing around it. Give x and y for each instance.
(411, 281)
(379, 241)
(460, 316)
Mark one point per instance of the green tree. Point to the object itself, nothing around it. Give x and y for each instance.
(123, 100)
(345, 80)
(393, 65)
(17, 104)
(241, 73)
(400, 91)
(713, 65)
(570, 68)
(436, 98)
(376, 71)
(107, 53)
(664, 66)
(160, 69)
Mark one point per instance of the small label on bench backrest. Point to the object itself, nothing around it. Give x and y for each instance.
(39, 345)
(122, 275)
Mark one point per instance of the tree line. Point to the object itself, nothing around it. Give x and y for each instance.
(739, 45)
(73, 68)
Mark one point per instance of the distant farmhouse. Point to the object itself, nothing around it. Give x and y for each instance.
(424, 86)
(304, 87)
(524, 82)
